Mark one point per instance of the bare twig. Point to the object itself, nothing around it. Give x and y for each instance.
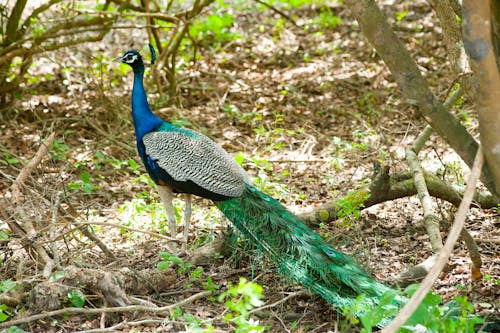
(277, 11)
(159, 16)
(119, 226)
(281, 301)
(445, 252)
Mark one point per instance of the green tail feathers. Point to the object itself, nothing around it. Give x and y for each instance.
(300, 253)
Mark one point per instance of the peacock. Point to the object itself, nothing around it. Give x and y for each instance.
(180, 160)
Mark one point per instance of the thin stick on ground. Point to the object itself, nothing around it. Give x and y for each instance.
(119, 226)
(445, 252)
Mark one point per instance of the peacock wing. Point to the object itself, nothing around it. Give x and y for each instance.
(191, 156)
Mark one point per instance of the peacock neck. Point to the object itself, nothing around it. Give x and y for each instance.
(145, 120)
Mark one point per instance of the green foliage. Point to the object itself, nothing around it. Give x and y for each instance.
(5, 287)
(401, 15)
(4, 313)
(295, 3)
(8, 159)
(430, 316)
(56, 275)
(209, 285)
(327, 20)
(145, 209)
(59, 150)
(76, 298)
(83, 184)
(340, 148)
(488, 278)
(453, 170)
(14, 329)
(250, 118)
(350, 206)
(239, 300)
(214, 29)
(266, 180)
(168, 260)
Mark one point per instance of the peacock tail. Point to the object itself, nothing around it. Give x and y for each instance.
(300, 253)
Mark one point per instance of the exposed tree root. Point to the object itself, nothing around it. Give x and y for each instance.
(113, 286)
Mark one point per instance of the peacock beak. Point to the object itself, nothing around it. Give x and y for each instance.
(119, 59)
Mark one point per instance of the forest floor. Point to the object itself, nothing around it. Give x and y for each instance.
(310, 108)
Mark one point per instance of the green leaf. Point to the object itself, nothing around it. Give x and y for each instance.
(6, 286)
(87, 188)
(85, 177)
(56, 275)
(163, 265)
(76, 298)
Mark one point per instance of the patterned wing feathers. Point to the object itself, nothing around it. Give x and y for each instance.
(196, 158)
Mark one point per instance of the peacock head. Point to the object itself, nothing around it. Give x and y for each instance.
(133, 59)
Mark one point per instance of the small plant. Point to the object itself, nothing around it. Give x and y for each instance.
(401, 15)
(76, 298)
(168, 259)
(239, 300)
(350, 207)
(58, 150)
(214, 29)
(430, 316)
(327, 20)
(84, 184)
(8, 159)
(209, 285)
(5, 287)
(4, 313)
(453, 169)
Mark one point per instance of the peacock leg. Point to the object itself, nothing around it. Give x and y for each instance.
(166, 196)
(187, 219)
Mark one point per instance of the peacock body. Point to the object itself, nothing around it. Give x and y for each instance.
(185, 161)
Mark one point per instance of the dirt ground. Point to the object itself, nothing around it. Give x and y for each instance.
(310, 109)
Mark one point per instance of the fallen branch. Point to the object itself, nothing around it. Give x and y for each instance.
(118, 309)
(387, 187)
(445, 252)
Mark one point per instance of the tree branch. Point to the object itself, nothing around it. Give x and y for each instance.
(413, 86)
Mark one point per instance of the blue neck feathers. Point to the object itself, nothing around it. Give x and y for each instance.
(144, 119)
